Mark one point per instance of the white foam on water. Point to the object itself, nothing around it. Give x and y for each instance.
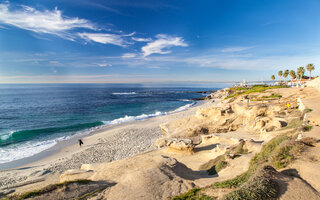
(133, 118)
(124, 93)
(6, 136)
(182, 108)
(28, 149)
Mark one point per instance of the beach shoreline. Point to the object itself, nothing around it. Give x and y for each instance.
(104, 145)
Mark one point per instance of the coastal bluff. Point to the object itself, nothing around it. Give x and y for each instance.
(226, 148)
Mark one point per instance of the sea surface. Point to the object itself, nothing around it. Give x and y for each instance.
(34, 117)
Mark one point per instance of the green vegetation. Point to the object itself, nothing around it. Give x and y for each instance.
(259, 186)
(310, 68)
(273, 77)
(272, 96)
(280, 73)
(235, 92)
(285, 74)
(217, 164)
(294, 123)
(193, 194)
(293, 75)
(278, 152)
(47, 189)
(86, 196)
(300, 72)
(264, 98)
(307, 128)
(308, 109)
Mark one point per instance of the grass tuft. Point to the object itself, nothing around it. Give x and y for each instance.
(307, 128)
(260, 186)
(193, 194)
(217, 164)
(308, 109)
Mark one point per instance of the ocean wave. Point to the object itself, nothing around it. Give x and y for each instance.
(25, 135)
(124, 93)
(133, 118)
(28, 149)
(187, 100)
(145, 116)
(182, 108)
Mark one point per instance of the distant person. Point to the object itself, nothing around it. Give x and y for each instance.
(248, 100)
(80, 142)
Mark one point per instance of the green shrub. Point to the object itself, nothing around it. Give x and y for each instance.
(307, 128)
(259, 187)
(308, 109)
(273, 153)
(193, 194)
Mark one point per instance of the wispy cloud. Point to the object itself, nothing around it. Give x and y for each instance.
(47, 21)
(129, 55)
(103, 64)
(141, 39)
(162, 42)
(235, 49)
(55, 63)
(105, 38)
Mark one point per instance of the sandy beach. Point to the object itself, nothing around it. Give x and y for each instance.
(108, 144)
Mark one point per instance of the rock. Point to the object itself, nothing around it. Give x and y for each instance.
(184, 145)
(75, 174)
(146, 176)
(161, 142)
(196, 140)
(177, 144)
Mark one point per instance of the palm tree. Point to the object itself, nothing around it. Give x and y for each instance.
(292, 73)
(273, 77)
(310, 67)
(285, 74)
(300, 72)
(280, 73)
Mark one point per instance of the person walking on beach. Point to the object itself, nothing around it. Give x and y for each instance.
(80, 142)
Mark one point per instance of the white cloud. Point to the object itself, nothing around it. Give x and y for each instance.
(129, 55)
(50, 22)
(55, 63)
(235, 49)
(162, 42)
(103, 64)
(104, 38)
(141, 39)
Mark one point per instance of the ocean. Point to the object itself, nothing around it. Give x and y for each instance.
(35, 117)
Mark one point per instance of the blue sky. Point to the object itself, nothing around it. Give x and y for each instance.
(161, 41)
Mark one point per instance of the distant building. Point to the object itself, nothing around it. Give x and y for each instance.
(299, 82)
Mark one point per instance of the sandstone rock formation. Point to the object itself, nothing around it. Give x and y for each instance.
(145, 176)
(229, 118)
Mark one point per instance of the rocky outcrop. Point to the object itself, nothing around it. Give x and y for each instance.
(220, 94)
(142, 177)
(230, 118)
(176, 144)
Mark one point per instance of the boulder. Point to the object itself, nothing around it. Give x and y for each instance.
(75, 174)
